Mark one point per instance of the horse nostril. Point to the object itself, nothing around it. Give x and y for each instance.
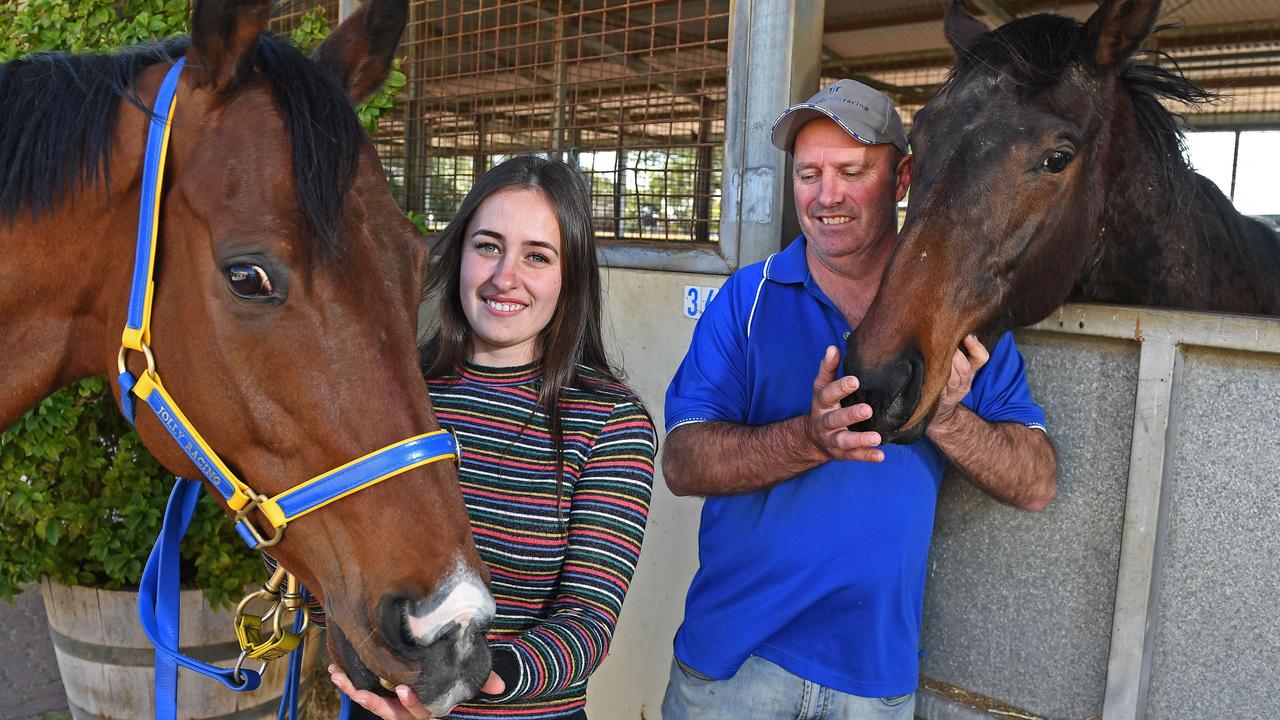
(392, 612)
(903, 383)
(891, 389)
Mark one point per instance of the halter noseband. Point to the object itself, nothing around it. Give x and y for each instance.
(295, 502)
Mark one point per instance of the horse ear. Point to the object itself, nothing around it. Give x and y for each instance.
(961, 28)
(360, 50)
(223, 33)
(1117, 28)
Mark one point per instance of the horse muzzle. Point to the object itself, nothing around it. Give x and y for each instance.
(892, 389)
(441, 637)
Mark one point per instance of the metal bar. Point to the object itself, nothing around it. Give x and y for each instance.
(414, 132)
(619, 174)
(1172, 327)
(1133, 621)
(562, 97)
(1261, 120)
(1181, 38)
(1235, 166)
(702, 192)
(935, 12)
(1224, 34)
(346, 7)
(770, 67)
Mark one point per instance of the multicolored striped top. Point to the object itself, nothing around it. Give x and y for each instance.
(561, 554)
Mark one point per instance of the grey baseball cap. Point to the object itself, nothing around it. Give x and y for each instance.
(864, 112)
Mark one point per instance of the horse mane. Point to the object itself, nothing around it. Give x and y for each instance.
(60, 110)
(1035, 53)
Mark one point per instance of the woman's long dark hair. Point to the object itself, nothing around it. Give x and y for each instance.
(571, 346)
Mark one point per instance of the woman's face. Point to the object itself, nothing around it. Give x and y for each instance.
(510, 276)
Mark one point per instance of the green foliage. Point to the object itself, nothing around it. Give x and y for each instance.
(383, 102)
(81, 501)
(86, 25)
(419, 221)
(311, 30)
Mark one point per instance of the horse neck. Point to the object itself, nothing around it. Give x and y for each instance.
(64, 284)
(1160, 240)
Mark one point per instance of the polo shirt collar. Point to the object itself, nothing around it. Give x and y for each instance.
(789, 265)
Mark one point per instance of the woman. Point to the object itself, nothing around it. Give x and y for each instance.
(557, 454)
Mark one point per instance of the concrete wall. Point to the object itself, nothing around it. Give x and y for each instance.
(648, 334)
(1148, 589)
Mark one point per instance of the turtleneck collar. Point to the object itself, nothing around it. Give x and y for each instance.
(501, 376)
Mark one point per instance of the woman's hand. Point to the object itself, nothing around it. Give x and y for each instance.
(405, 706)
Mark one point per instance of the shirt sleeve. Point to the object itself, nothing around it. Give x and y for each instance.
(607, 516)
(711, 383)
(1000, 392)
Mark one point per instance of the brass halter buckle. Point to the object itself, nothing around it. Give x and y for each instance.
(256, 499)
(249, 626)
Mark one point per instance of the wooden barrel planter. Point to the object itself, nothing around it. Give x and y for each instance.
(106, 661)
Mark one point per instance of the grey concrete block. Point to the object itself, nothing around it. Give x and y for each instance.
(1217, 625)
(1018, 606)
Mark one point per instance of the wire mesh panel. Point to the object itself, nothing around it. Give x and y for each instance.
(1231, 47)
(632, 93)
(288, 16)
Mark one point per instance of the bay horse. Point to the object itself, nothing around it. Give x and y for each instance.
(285, 304)
(1047, 170)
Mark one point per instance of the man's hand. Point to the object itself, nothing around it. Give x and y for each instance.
(828, 423)
(1009, 461)
(406, 705)
(964, 365)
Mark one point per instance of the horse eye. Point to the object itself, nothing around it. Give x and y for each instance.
(249, 281)
(1057, 161)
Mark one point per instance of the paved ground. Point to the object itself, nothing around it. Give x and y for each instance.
(30, 686)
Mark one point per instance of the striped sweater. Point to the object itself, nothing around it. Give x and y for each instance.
(560, 559)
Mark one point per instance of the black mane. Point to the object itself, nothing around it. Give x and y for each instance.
(1035, 52)
(59, 111)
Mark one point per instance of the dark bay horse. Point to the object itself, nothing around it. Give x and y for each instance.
(1047, 170)
(286, 295)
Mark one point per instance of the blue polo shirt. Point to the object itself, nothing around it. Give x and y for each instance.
(822, 574)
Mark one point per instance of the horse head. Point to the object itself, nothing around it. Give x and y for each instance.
(287, 283)
(1005, 199)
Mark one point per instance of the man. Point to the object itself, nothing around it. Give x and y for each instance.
(814, 539)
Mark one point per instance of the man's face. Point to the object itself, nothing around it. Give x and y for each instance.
(846, 191)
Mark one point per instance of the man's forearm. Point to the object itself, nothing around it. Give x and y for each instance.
(1013, 463)
(717, 458)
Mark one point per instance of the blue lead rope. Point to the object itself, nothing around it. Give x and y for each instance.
(158, 604)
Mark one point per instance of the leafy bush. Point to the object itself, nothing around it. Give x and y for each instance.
(81, 501)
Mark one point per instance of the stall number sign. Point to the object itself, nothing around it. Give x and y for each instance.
(696, 298)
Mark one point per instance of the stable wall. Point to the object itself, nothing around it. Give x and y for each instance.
(648, 333)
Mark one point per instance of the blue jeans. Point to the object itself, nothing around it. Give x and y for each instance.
(761, 690)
